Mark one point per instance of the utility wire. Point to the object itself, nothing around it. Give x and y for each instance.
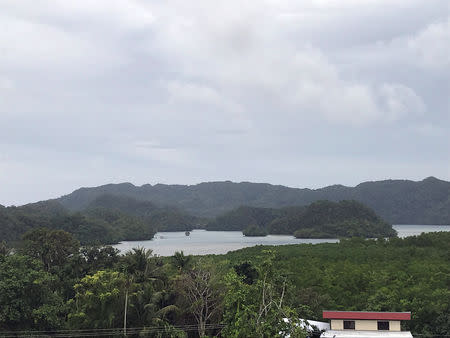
(104, 332)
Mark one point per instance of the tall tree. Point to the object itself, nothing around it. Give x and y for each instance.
(180, 261)
(259, 308)
(52, 247)
(200, 287)
(98, 301)
(26, 295)
(142, 276)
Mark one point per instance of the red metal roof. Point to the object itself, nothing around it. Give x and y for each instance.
(367, 315)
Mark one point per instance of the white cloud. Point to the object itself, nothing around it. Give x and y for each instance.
(432, 45)
(400, 101)
(193, 93)
(247, 51)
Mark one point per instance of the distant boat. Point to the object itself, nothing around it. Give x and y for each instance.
(187, 233)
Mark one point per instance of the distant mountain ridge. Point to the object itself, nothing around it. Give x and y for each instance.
(396, 201)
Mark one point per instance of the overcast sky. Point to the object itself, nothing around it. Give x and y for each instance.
(300, 93)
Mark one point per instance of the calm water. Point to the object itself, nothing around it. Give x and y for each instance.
(202, 242)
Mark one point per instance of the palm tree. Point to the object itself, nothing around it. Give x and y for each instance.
(136, 265)
(181, 261)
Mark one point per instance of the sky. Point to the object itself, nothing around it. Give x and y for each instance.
(300, 93)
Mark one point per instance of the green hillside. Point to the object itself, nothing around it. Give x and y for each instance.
(106, 226)
(161, 218)
(107, 219)
(396, 201)
(322, 219)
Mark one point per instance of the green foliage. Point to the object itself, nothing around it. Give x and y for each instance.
(157, 218)
(238, 219)
(107, 219)
(52, 247)
(180, 261)
(139, 263)
(341, 219)
(95, 257)
(322, 219)
(15, 221)
(96, 225)
(26, 295)
(410, 274)
(259, 309)
(254, 231)
(123, 227)
(254, 292)
(123, 204)
(98, 301)
(247, 272)
(147, 285)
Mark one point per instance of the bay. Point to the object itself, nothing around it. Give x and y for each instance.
(202, 242)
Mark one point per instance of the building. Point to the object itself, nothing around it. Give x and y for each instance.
(353, 324)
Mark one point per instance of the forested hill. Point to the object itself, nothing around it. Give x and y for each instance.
(106, 219)
(396, 201)
(161, 218)
(321, 219)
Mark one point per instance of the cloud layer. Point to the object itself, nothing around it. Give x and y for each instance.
(299, 93)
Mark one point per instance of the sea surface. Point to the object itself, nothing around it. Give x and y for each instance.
(202, 242)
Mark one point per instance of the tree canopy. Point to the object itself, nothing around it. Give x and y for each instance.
(261, 291)
(321, 219)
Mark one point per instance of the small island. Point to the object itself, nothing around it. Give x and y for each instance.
(254, 231)
(321, 219)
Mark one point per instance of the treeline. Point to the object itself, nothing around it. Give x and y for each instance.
(95, 225)
(322, 219)
(49, 282)
(410, 274)
(108, 219)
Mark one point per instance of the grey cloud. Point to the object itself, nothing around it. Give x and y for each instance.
(298, 93)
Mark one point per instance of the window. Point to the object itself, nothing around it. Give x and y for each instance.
(349, 324)
(383, 326)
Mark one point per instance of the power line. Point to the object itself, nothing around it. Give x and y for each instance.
(105, 332)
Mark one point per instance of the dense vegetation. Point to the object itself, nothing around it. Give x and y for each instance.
(161, 218)
(50, 283)
(96, 225)
(238, 219)
(255, 231)
(112, 218)
(107, 219)
(322, 219)
(396, 201)
(410, 274)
